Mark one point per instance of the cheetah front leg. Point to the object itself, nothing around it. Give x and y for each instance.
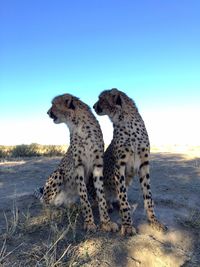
(147, 196)
(127, 228)
(89, 224)
(106, 224)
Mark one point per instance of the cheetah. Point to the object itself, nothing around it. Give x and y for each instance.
(127, 155)
(83, 159)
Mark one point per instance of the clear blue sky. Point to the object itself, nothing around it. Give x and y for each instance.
(149, 49)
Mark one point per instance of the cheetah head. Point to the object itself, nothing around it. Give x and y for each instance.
(64, 108)
(111, 103)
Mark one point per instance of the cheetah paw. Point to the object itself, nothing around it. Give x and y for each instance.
(127, 230)
(109, 227)
(158, 226)
(90, 226)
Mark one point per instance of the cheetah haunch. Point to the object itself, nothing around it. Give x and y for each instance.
(127, 155)
(83, 159)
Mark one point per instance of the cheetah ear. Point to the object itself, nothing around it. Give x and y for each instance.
(118, 101)
(71, 105)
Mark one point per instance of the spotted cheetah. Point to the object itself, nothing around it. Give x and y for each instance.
(84, 158)
(127, 155)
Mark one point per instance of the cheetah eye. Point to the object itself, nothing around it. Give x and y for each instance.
(66, 101)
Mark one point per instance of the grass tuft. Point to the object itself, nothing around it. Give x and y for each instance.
(32, 150)
(12, 223)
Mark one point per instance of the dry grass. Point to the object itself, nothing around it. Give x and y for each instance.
(4, 254)
(55, 249)
(12, 223)
(32, 150)
(189, 152)
(54, 237)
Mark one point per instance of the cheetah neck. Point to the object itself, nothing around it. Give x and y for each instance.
(131, 127)
(79, 124)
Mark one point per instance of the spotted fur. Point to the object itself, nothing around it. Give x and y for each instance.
(127, 155)
(84, 159)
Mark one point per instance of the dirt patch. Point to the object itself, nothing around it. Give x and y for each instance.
(32, 236)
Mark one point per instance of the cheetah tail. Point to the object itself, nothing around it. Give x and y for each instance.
(38, 193)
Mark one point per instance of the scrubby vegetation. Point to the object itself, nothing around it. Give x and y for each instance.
(32, 150)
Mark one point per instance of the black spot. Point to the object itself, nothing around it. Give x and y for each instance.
(79, 165)
(124, 191)
(99, 165)
(125, 210)
(147, 176)
(148, 186)
(61, 172)
(144, 164)
(124, 199)
(121, 179)
(121, 189)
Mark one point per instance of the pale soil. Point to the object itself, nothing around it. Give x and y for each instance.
(34, 236)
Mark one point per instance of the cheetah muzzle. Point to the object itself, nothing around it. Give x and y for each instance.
(52, 116)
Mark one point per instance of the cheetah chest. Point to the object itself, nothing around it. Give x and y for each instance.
(132, 167)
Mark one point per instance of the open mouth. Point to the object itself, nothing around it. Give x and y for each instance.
(51, 115)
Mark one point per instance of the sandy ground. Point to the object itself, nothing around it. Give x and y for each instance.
(33, 236)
